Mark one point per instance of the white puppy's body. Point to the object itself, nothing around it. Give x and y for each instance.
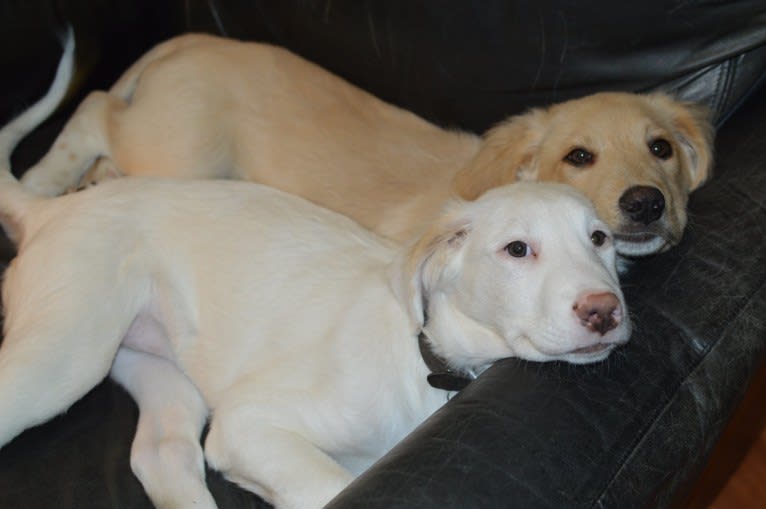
(292, 327)
(296, 327)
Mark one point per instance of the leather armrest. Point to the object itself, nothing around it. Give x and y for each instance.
(630, 432)
(635, 430)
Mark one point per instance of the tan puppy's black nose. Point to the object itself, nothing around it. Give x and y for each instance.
(599, 312)
(643, 204)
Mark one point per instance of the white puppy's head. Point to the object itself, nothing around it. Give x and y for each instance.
(527, 270)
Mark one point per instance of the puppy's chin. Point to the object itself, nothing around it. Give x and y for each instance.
(594, 353)
(585, 355)
(634, 243)
(638, 246)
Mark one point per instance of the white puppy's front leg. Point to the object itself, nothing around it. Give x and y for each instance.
(166, 455)
(277, 464)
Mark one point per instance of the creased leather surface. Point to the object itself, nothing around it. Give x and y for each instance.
(470, 64)
(630, 432)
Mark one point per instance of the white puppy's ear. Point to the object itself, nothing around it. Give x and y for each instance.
(507, 154)
(694, 132)
(431, 260)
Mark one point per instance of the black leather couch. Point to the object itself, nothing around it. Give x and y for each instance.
(633, 431)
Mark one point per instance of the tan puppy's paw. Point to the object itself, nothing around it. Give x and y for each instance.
(102, 170)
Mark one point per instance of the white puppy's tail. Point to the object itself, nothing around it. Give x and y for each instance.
(19, 127)
(14, 199)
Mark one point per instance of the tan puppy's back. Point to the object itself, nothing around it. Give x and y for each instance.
(287, 123)
(207, 107)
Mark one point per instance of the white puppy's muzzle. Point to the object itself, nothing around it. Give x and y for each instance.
(598, 312)
(600, 318)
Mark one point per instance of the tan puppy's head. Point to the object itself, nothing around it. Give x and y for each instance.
(637, 157)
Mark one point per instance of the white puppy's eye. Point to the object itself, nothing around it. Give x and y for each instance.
(580, 157)
(598, 238)
(661, 148)
(518, 249)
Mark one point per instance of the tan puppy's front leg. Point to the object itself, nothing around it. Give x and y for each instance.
(279, 465)
(166, 455)
(84, 139)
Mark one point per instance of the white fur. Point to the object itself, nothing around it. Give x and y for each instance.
(291, 327)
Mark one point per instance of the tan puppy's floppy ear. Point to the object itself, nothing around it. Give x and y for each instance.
(430, 260)
(506, 154)
(694, 131)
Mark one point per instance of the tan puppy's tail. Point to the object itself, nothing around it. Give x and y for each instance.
(14, 199)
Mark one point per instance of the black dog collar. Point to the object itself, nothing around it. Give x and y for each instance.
(442, 376)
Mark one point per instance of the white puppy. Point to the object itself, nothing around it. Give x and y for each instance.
(295, 328)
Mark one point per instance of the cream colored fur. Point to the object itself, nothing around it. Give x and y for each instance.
(206, 107)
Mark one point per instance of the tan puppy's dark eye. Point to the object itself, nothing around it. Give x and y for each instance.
(580, 157)
(598, 238)
(661, 148)
(517, 249)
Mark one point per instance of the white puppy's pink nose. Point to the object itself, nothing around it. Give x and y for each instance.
(599, 312)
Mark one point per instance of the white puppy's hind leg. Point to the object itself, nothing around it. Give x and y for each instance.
(51, 356)
(63, 325)
(85, 138)
(43, 372)
(277, 464)
(166, 455)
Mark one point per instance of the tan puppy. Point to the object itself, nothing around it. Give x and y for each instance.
(202, 106)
